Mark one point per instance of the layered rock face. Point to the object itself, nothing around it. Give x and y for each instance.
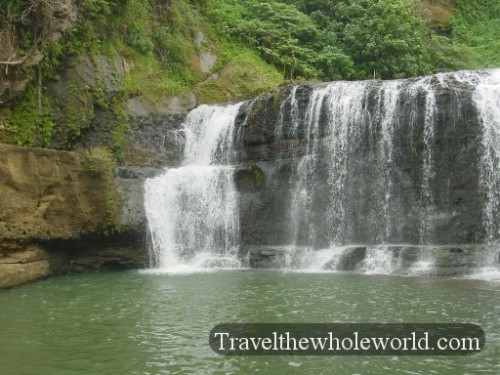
(369, 162)
(54, 208)
(49, 195)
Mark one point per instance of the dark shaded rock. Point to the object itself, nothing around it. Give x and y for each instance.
(458, 260)
(350, 258)
(263, 211)
(265, 257)
(249, 180)
(446, 260)
(99, 252)
(129, 184)
(128, 249)
(155, 141)
(255, 123)
(105, 259)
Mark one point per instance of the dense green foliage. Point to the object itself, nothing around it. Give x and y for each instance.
(477, 26)
(31, 123)
(385, 38)
(323, 39)
(256, 46)
(284, 36)
(161, 45)
(331, 40)
(362, 38)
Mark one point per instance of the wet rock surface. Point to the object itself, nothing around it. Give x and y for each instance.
(264, 257)
(154, 141)
(449, 260)
(129, 183)
(433, 181)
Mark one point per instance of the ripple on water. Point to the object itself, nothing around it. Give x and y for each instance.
(142, 323)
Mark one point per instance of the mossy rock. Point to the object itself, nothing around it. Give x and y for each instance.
(250, 180)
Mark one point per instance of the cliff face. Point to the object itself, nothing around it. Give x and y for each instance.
(121, 76)
(372, 163)
(74, 72)
(402, 173)
(364, 162)
(55, 208)
(396, 162)
(49, 195)
(47, 21)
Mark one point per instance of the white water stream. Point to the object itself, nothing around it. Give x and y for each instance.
(192, 210)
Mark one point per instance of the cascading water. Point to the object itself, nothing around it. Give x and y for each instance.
(487, 99)
(376, 163)
(192, 210)
(350, 110)
(382, 119)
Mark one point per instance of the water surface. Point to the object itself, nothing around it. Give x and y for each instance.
(136, 323)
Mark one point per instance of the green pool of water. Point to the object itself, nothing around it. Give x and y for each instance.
(136, 323)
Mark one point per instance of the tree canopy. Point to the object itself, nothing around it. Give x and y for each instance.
(346, 39)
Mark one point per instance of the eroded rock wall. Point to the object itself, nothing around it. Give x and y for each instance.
(50, 195)
(56, 208)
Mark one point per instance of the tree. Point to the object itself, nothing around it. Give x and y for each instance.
(285, 37)
(385, 38)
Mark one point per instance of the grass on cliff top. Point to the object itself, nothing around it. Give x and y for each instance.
(170, 67)
(151, 81)
(244, 76)
(173, 68)
(476, 26)
(484, 44)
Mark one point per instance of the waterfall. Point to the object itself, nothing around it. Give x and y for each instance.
(192, 210)
(341, 120)
(376, 176)
(487, 99)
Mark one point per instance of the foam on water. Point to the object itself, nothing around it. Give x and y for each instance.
(326, 259)
(379, 260)
(486, 273)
